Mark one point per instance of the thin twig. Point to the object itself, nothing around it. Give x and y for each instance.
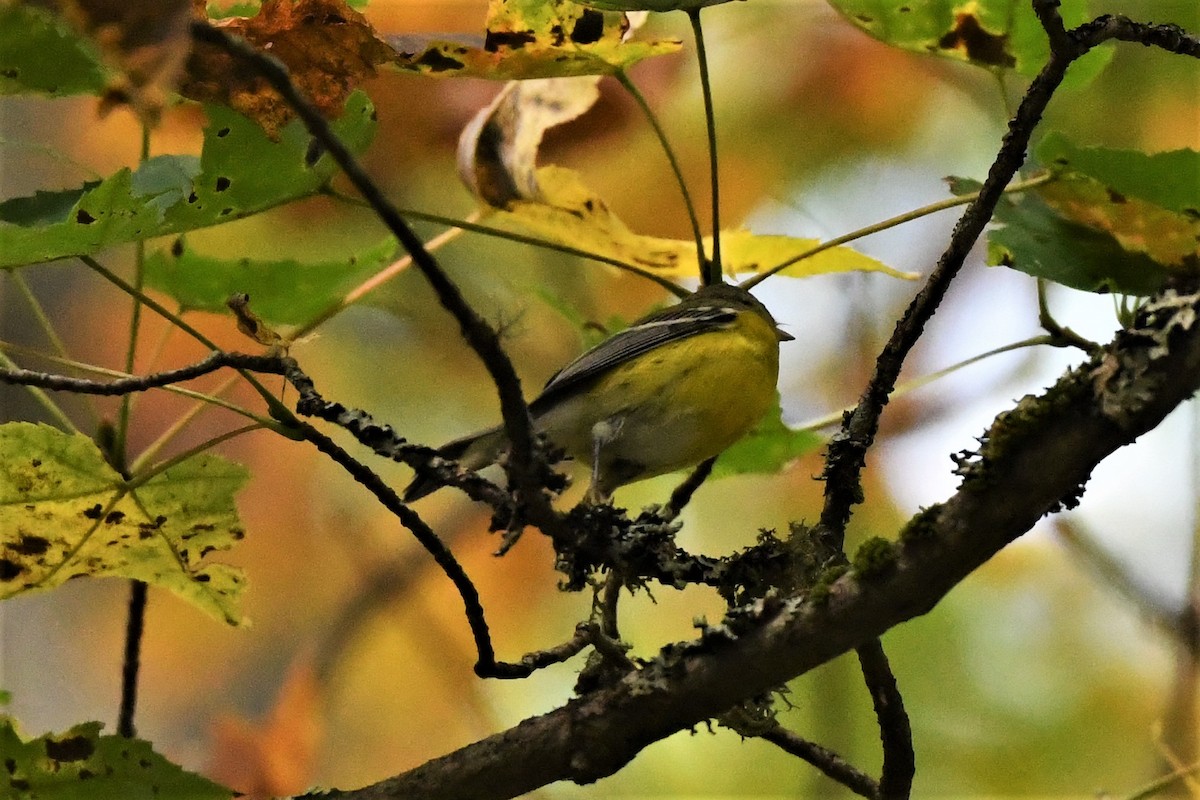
(895, 732)
(140, 383)
(623, 78)
(684, 491)
(131, 665)
(847, 450)
(486, 666)
(211, 399)
(830, 763)
(7, 365)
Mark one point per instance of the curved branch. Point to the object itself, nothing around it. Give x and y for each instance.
(895, 732)
(847, 450)
(482, 338)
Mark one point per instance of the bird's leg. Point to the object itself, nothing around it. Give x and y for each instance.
(603, 433)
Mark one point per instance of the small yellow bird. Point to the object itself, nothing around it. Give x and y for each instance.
(675, 388)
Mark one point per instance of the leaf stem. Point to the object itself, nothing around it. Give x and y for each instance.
(623, 78)
(918, 383)
(155, 447)
(891, 222)
(712, 268)
(374, 282)
(142, 478)
(520, 238)
(135, 324)
(1050, 325)
(48, 329)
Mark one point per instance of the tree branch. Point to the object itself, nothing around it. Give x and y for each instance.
(140, 383)
(848, 448)
(1034, 460)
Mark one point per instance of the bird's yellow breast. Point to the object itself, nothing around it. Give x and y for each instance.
(672, 407)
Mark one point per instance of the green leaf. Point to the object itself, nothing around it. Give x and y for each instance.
(239, 172)
(65, 513)
(283, 292)
(532, 39)
(83, 764)
(1170, 180)
(42, 208)
(768, 448)
(1148, 203)
(988, 33)
(1034, 239)
(39, 54)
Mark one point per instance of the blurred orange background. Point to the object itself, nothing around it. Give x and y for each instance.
(1034, 677)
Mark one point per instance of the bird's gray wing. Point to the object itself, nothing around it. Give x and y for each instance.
(669, 325)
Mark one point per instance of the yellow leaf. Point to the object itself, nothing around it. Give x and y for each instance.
(533, 39)
(571, 214)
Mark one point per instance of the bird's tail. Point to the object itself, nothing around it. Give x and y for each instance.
(471, 452)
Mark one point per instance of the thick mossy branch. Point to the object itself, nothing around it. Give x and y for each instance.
(1047, 455)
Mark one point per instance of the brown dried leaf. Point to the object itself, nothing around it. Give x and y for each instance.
(497, 151)
(327, 47)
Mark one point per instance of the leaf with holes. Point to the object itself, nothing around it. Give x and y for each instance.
(240, 172)
(65, 513)
(82, 763)
(327, 47)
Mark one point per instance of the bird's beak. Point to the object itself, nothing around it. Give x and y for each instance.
(783, 335)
